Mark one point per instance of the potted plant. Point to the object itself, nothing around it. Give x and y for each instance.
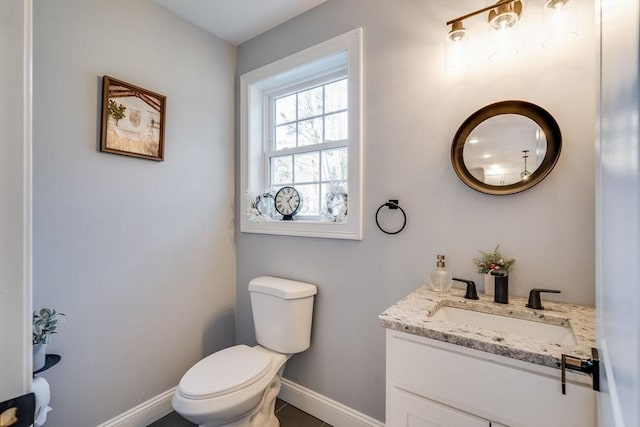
(45, 323)
(492, 261)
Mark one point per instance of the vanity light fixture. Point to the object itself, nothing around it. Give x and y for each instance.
(525, 174)
(559, 18)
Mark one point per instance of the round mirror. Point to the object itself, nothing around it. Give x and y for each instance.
(506, 147)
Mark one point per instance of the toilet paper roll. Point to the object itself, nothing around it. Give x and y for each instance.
(40, 387)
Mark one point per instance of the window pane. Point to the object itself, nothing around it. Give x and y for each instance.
(285, 136)
(310, 103)
(335, 96)
(336, 127)
(334, 164)
(281, 170)
(310, 199)
(285, 109)
(310, 132)
(334, 201)
(307, 167)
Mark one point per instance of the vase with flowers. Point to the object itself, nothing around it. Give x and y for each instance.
(492, 261)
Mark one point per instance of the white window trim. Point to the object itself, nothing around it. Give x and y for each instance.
(253, 87)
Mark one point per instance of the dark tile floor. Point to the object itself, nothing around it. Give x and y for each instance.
(289, 416)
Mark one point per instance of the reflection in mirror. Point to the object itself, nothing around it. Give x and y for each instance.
(504, 149)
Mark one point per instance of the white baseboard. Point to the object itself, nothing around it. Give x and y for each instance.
(334, 413)
(328, 410)
(145, 413)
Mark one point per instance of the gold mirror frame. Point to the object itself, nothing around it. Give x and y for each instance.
(542, 118)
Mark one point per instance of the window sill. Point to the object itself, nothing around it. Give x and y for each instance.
(302, 228)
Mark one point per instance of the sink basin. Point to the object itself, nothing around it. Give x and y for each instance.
(509, 325)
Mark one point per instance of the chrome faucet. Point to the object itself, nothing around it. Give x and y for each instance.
(534, 298)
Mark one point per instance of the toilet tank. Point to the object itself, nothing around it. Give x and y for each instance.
(282, 311)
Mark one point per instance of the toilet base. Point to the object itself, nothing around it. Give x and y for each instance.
(262, 415)
(266, 415)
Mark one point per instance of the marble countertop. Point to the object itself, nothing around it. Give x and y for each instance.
(413, 314)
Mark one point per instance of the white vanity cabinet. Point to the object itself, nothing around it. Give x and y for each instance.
(432, 383)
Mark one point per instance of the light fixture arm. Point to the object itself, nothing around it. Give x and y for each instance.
(479, 11)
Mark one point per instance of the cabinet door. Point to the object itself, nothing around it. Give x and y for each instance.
(408, 410)
(485, 384)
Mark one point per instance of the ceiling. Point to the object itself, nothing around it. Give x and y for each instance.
(237, 21)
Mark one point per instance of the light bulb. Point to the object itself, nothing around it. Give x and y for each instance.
(505, 43)
(560, 22)
(457, 48)
(503, 20)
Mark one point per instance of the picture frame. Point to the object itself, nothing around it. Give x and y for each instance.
(19, 411)
(132, 120)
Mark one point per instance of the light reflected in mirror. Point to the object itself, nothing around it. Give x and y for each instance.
(505, 149)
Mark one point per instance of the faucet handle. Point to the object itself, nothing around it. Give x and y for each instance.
(472, 292)
(534, 298)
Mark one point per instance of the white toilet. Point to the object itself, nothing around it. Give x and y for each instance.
(237, 386)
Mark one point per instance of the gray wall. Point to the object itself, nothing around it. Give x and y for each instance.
(15, 288)
(412, 109)
(138, 254)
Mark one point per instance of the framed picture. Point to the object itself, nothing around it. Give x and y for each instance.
(18, 412)
(132, 120)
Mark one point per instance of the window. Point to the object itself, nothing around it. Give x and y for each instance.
(309, 144)
(300, 127)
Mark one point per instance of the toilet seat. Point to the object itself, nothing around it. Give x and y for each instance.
(224, 372)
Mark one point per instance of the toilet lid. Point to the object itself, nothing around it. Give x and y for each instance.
(224, 372)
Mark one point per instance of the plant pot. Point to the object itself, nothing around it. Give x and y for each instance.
(39, 356)
(489, 284)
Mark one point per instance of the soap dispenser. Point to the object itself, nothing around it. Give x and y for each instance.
(440, 278)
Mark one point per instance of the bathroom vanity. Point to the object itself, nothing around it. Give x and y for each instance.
(465, 363)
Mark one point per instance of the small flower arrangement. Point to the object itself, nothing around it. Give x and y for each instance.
(493, 261)
(45, 323)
